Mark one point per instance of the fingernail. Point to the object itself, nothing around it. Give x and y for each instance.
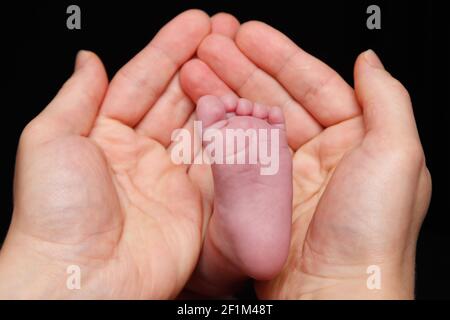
(373, 60)
(80, 60)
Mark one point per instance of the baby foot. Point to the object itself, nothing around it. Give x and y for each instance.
(250, 226)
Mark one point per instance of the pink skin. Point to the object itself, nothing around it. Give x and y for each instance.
(249, 231)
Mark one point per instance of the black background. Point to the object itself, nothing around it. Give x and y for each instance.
(413, 45)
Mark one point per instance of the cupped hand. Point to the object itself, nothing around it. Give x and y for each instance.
(361, 186)
(95, 186)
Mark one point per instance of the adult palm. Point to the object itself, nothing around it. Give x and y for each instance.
(95, 186)
(361, 187)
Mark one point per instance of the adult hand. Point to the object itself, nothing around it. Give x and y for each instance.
(95, 185)
(361, 186)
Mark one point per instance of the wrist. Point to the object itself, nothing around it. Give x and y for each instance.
(366, 282)
(27, 274)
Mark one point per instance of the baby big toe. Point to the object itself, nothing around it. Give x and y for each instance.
(210, 109)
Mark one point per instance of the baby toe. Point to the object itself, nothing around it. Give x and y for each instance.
(210, 109)
(276, 116)
(260, 111)
(230, 101)
(244, 107)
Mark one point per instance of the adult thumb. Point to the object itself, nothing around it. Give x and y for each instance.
(74, 108)
(386, 104)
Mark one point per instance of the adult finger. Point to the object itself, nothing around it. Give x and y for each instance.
(224, 24)
(247, 80)
(198, 80)
(170, 112)
(173, 108)
(138, 85)
(75, 107)
(315, 85)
